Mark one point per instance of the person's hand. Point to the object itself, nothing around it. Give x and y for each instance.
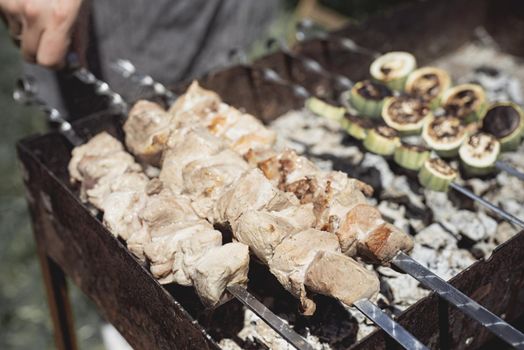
(43, 28)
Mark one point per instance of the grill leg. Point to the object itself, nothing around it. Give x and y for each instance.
(58, 301)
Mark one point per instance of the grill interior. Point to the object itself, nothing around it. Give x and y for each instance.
(457, 35)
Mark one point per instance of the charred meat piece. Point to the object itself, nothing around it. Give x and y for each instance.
(147, 129)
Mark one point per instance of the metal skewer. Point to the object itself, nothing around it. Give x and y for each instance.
(128, 70)
(388, 325)
(25, 94)
(509, 169)
(306, 30)
(275, 322)
(467, 305)
(502, 213)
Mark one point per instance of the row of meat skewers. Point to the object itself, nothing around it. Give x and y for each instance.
(302, 222)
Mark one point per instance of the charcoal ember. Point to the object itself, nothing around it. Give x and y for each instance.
(400, 190)
(228, 344)
(478, 186)
(499, 85)
(366, 326)
(375, 171)
(505, 231)
(416, 224)
(483, 249)
(473, 226)
(406, 290)
(257, 330)
(436, 237)
(394, 213)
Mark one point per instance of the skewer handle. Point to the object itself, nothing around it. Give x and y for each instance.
(269, 317)
(307, 30)
(465, 304)
(25, 93)
(502, 213)
(272, 76)
(509, 169)
(116, 102)
(128, 70)
(388, 325)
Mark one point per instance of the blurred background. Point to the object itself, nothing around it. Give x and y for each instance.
(24, 316)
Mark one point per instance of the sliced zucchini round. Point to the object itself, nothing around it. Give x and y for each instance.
(466, 102)
(428, 83)
(406, 114)
(393, 68)
(436, 175)
(444, 135)
(357, 127)
(410, 156)
(505, 121)
(479, 153)
(368, 97)
(382, 140)
(325, 109)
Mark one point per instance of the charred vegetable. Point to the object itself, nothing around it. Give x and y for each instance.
(428, 83)
(368, 97)
(382, 140)
(325, 109)
(444, 135)
(505, 121)
(411, 157)
(405, 114)
(479, 153)
(393, 68)
(466, 102)
(436, 175)
(357, 127)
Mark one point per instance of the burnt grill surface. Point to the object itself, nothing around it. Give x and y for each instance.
(152, 316)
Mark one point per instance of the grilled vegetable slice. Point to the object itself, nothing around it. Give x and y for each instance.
(428, 83)
(436, 175)
(405, 114)
(479, 153)
(357, 127)
(325, 109)
(393, 68)
(382, 140)
(411, 156)
(505, 121)
(466, 102)
(368, 97)
(444, 135)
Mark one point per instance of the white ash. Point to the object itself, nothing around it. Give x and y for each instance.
(256, 329)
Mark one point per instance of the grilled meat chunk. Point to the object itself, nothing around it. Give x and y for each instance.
(147, 129)
(292, 257)
(337, 275)
(220, 267)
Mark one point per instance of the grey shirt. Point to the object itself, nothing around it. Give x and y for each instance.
(176, 40)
